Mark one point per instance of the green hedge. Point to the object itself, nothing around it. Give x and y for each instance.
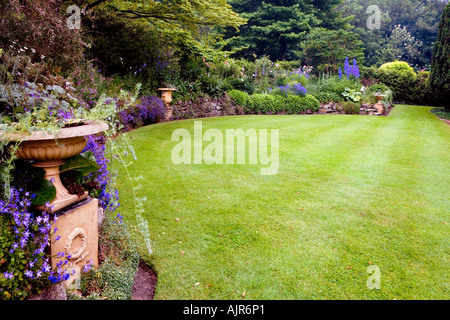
(239, 97)
(268, 103)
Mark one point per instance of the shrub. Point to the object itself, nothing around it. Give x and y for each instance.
(421, 92)
(369, 72)
(351, 107)
(351, 95)
(328, 96)
(279, 104)
(441, 113)
(233, 83)
(239, 97)
(400, 77)
(295, 104)
(263, 103)
(281, 80)
(378, 88)
(335, 85)
(38, 29)
(311, 102)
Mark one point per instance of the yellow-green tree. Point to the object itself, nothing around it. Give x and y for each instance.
(186, 14)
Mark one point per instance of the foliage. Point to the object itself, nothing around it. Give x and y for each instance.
(440, 70)
(351, 95)
(296, 89)
(175, 14)
(38, 29)
(422, 93)
(287, 102)
(326, 48)
(400, 77)
(26, 107)
(24, 266)
(399, 20)
(239, 97)
(378, 89)
(441, 113)
(274, 28)
(327, 96)
(118, 262)
(147, 111)
(333, 84)
(351, 107)
(260, 103)
(401, 45)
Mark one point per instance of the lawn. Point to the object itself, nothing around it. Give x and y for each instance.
(350, 192)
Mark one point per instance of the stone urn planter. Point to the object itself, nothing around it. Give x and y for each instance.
(166, 96)
(379, 105)
(48, 151)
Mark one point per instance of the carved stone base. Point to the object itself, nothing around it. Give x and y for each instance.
(77, 228)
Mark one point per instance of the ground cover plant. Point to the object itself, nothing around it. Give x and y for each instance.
(351, 192)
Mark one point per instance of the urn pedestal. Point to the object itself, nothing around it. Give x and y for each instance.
(379, 105)
(76, 225)
(77, 234)
(166, 96)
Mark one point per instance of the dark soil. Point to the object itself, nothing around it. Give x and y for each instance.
(144, 283)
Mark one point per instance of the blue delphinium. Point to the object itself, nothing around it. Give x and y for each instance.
(297, 89)
(350, 70)
(355, 69)
(347, 68)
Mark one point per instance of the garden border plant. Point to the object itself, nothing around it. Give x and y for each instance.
(24, 264)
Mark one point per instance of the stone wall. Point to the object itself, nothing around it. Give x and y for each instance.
(205, 107)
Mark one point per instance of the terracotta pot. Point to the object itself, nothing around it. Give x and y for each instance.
(48, 151)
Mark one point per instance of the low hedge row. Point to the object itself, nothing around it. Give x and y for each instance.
(267, 103)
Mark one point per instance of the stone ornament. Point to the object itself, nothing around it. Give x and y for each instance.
(49, 150)
(77, 254)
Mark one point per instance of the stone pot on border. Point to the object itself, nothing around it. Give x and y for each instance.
(48, 151)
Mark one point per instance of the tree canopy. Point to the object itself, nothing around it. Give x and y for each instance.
(418, 19)
(277, 28)
(184, 13)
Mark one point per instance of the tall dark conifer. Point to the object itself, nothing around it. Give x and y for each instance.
(440, 65)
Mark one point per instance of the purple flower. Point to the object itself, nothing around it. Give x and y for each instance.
(29, 274)
(8, 275)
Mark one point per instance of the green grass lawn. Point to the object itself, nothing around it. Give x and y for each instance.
(350, 192)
